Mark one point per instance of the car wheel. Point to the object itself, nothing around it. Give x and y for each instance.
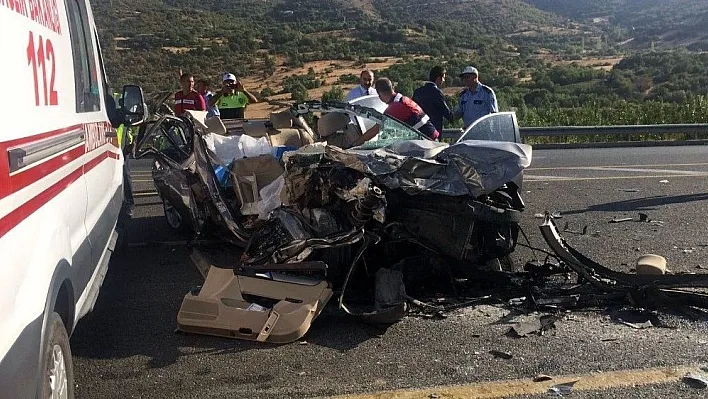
(172, 216)
(57, 365)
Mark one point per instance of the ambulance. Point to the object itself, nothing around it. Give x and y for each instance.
(61, 177)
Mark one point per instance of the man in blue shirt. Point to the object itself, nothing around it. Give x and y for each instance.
(202, 87)
(476, 100)
(431, 98)
(365, 88)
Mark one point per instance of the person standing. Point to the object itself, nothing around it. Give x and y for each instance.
(476, 100)
(188, 99)
(232, 99)
(202, 87)
(365, 88)
(401, 108)
(431, 98)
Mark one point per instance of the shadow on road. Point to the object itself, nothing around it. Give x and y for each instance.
(136, 311)
(640, 204)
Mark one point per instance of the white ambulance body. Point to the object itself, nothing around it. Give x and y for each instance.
(60, 189)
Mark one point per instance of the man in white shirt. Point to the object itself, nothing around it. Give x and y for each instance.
(365, 88)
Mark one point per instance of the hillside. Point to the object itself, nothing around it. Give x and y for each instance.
(146, 42)
(639, 23)
(552, 61)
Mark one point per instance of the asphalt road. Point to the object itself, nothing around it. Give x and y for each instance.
(127, 347)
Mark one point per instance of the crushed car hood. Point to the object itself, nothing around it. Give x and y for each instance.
(472, 167)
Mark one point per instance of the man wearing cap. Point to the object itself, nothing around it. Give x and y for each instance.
(431, 98)
(365, 88)
(476, 100)
(402, 108)
(232, 99)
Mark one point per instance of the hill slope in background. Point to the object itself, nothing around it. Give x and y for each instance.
(539, 55)
(664, 22)
(152, 39)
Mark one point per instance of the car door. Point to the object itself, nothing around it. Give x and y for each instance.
(103, 158)
(500, 126)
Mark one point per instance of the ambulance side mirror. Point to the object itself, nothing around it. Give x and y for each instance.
(135, 110)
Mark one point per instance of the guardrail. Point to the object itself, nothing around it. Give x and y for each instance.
(617, 130)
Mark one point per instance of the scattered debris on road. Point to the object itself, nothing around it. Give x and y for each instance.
(696, 380)
(638, 326)
(501, 355)
(542, 378)
(562, 389)
(620, 220)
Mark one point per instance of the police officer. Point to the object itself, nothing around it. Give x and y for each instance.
(476, 100)
(232, 99)
(125, 142)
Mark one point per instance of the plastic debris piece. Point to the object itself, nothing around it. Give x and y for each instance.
(695, 380)
(562, 389)
(620, 220)
(638, 326)
(688, 250)
(433, 396)
(566, 229)
(524, 329)
(539, 216)
(663, 181)
(501, 355)
(542, 377)
(629, 190)
(517, 301)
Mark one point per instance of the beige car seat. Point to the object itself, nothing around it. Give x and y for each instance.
(331, 123)
(250, 175)
(280, 131)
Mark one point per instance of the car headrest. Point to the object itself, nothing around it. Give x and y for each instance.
(281, 119)
(199, 118)
(331, 122)
(215, 125)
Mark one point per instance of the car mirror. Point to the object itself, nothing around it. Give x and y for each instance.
(135, 110)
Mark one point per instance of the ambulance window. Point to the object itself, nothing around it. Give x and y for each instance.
(85, 73)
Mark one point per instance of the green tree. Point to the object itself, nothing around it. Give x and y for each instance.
(334, 94)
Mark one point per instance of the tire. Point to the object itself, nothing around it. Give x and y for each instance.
(57, 365)
(174, 218)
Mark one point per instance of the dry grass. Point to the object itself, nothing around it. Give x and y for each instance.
(329, 71)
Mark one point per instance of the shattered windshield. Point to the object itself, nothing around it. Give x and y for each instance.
(391, 131)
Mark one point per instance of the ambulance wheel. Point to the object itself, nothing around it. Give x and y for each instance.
(174, 219)
(57, 365)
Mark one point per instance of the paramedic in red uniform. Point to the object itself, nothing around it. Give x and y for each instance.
(402, 108)
(187, 98)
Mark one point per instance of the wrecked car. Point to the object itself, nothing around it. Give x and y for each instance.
(317, 218)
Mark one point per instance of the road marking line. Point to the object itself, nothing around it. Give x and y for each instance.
(618, 166)
(502, 389)
(178, 243)
(147, 194)
(638, 170)
(530, 178)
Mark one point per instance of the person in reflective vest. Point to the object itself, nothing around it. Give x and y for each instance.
(402, 108)
(125, 140)
(232, 99)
